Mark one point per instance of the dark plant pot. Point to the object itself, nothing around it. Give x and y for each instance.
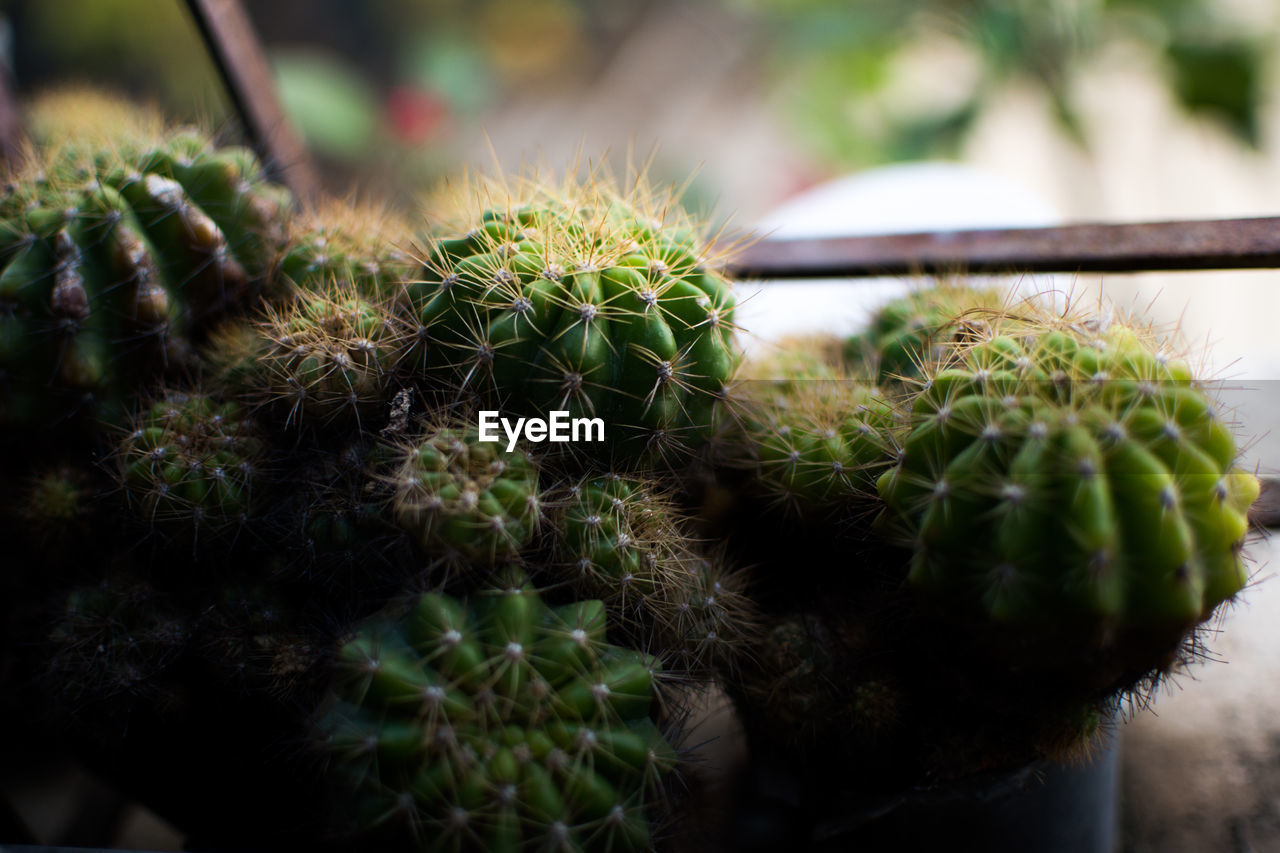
(1047, 808)
(1039, 808)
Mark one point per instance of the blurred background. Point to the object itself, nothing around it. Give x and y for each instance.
(1057, 110)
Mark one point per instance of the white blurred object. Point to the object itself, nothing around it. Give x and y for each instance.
(896, 199)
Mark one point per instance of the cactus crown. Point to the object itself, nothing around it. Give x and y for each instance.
(498, 722)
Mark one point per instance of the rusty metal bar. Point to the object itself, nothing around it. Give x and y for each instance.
(1187, 245)
(232, 43)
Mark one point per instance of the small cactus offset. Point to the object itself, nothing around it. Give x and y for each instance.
(323, 358)
(621, 539)
(361, 245)
(463, 499)
(913, 331)
(497, 723)
(191, 465)
(812, 437)
(585, 299)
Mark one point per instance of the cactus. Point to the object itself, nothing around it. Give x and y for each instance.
(191, 465)
(497, 723)
(1074, 484)
(356, 244)
(620, 539)
(115, 252)
(812, 438)
(912, 332)
(325, 357)
(463, 500)
(585, 300)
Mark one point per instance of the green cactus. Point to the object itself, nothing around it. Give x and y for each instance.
(1076, 484)
(497, 723)
(620, 539)
(359, 245)
(912, 332)
(114, 254)
(583, 300)
(463, 500)
(191, 465)
(325, 357)
(813, 439)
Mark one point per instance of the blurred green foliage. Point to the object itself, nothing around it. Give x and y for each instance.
(838, 63)
(150, 48)
(401, 83)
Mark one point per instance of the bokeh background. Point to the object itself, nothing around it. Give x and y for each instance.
(1058, 110)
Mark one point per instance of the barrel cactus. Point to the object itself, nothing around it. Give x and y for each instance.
(1072, 483)
(583, 299)
(191, 465)
(465, 500)
(116, 252)
(497, 723)
(913, 331)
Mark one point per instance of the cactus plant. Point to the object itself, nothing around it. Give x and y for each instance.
(622, 540)
(1056, 508)
(1073, 483)
(583, 299)
(497, 723)
(115, 252)
(812, 437)
(913, 331)
(325, 357)
(465, 500)
(191, 465)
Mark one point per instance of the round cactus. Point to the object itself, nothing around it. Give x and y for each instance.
(813, 440)
(115, 252)
(326, 356)
(1072, 482)
(583, 300)
(358, 245)
(620, 539)
(497, 723)
(463, 499)
(191, 465)
(914, 331)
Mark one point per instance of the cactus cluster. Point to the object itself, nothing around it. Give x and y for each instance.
(285, 550)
